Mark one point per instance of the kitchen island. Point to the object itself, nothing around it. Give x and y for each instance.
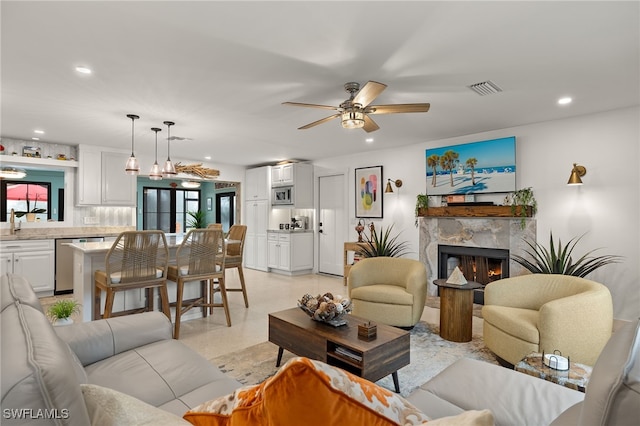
(90, 256)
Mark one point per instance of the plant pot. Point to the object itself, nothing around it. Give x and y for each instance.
(58, 322)
(31, 217)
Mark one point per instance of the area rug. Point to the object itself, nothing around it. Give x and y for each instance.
(430, 354)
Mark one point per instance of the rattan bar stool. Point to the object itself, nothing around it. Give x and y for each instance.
(137, 259)
(234, 259)
(200, 257)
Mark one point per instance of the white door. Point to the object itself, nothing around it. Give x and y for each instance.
(332, 224)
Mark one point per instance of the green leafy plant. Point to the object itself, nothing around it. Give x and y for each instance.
(523, 198)
(63, 309)
(557, 259)
(422, 202)
(196, 219)
(383, 244)
(29, 209)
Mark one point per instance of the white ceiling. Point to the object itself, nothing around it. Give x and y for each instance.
(221, 70)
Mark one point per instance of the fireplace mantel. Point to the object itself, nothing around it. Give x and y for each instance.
(474, 211)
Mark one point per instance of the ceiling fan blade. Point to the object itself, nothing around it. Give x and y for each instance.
(368, 93)
(310, 105)
(369, 124)
(315, 123)
(397, 108)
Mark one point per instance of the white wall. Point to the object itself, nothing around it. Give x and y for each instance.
(605, 207)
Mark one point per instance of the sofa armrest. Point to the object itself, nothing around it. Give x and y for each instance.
(475, 385)
(96, 340)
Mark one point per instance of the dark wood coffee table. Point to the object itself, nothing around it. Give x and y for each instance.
(296, 332)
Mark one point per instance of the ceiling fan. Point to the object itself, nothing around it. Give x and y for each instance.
(354, 112)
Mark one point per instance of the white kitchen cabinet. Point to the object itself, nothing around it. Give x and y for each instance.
(257, 220)
(290, 253)
(282, 175)
(300, 177)
(257, 183)
(102, 179)
(33, 259)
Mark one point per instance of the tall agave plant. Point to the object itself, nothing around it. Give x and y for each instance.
(383, 244)
(558, 260)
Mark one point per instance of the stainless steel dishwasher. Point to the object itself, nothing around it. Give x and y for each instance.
(64, 262)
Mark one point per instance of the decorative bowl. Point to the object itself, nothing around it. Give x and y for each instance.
(326, 308)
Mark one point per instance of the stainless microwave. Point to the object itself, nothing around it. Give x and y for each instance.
(282, 195)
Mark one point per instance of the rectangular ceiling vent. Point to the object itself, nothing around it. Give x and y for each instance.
(485, 88)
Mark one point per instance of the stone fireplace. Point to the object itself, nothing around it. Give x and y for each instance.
(442, 238)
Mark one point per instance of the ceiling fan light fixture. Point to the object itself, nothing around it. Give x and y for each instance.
(352, 118)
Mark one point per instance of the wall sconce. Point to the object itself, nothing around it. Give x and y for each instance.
(576, 173)
(397, 183)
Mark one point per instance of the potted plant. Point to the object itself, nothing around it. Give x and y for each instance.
(524, 204)
(196, 219)
(422, 202)
(383, 244)
(30, 213)
(60, 312)
(557, 259)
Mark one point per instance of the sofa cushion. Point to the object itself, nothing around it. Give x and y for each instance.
(165, 373)
(37, 369)
(108, 407)
(308, 392)
(476, 385)
(613, 392)
(383, 293)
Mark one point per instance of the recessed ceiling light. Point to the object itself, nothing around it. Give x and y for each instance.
(208, 157)
(83, 70)
(368, 140)
(40, 132)
(35, 139)
(564, 101)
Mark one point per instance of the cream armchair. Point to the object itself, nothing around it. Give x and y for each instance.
(388, 290)
(547, 312)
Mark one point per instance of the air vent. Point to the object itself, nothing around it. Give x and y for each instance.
(485, 88)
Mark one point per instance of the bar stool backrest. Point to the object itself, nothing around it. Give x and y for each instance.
(201, 252)
(137, 257)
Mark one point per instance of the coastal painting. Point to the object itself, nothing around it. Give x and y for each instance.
(472, 168)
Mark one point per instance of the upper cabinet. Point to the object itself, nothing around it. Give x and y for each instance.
(282, 175)
(298, 176)
(257, 183)
(102, 179)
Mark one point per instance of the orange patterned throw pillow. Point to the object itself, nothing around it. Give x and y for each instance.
(307, 392)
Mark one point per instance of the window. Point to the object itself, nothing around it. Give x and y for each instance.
(166, 209)
(25, 197)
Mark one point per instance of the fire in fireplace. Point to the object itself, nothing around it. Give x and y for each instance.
(479, 264)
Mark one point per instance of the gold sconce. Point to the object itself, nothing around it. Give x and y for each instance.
(576, 173)
(397, 183)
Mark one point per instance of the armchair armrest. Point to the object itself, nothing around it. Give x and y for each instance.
(96, 340)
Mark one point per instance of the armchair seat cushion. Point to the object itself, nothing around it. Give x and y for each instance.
(383, 293)
(522, 323)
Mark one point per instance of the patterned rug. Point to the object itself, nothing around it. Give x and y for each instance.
(430, 354)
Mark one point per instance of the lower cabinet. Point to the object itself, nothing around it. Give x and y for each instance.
(290, 252)
(32, 259)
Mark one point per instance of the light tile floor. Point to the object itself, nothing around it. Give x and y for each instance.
(268, 292)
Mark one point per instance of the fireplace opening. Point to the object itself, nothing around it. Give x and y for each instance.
(479, 264)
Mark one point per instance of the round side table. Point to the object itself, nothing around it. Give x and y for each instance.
(456, 310)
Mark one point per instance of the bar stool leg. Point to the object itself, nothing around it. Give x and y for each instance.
(108, 306)
(225, 303)
(244, 288)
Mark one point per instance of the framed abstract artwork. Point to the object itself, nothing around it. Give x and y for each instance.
(369, 192)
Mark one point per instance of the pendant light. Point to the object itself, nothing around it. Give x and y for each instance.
(169, 170)
(156, 173)
(132, 167)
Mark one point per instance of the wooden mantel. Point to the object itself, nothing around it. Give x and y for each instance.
(473, 211)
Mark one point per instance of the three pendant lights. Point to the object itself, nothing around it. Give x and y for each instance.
(133, 167)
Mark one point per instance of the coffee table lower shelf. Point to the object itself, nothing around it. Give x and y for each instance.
(340, 346)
